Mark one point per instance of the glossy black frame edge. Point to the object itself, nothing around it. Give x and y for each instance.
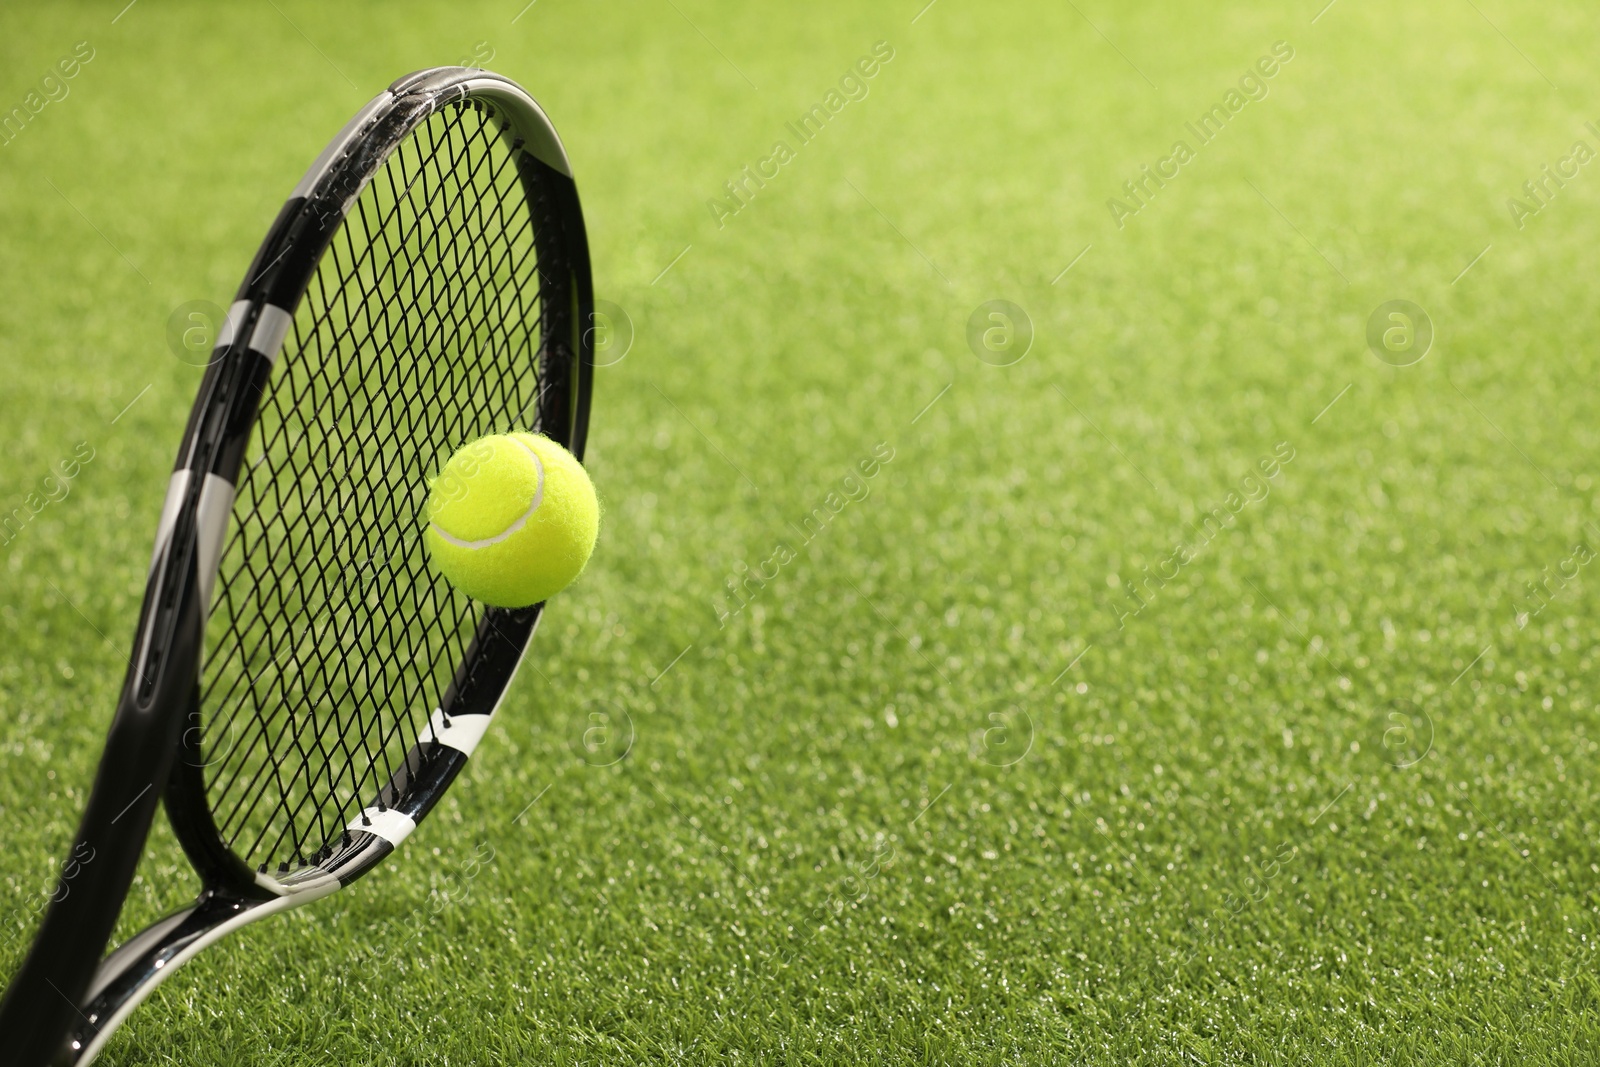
(214, 442)
(41, 1002)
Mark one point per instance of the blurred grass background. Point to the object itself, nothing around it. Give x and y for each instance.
(1325, 799)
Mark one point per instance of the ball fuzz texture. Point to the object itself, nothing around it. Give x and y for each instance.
(512, 519)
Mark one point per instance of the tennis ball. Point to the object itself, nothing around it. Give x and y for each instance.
(512, 519)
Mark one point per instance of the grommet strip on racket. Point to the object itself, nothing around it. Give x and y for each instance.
(303, 687)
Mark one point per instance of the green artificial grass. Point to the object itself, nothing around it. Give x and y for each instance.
(1322, 790)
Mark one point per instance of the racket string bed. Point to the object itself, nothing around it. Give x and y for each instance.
(383, 375)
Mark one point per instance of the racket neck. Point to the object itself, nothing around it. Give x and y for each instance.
(44, 998)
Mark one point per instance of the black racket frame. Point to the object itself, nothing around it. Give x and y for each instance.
(64, 1002)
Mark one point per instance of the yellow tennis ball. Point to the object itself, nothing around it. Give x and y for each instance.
(512, 519)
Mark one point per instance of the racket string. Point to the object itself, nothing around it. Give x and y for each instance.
(331, 640)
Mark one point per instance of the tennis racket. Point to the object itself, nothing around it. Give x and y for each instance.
(303, 687)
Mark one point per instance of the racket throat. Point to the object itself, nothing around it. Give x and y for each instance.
(144, 961)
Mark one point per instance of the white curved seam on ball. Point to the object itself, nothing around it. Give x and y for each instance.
(521, 520)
